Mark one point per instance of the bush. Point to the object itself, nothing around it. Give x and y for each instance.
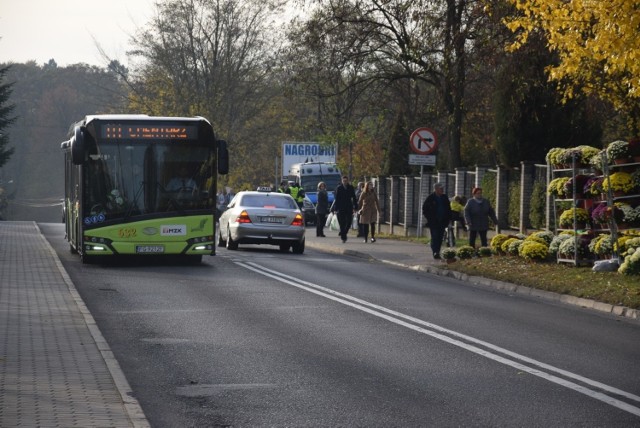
(496, 242)
(513, 211)
(448, 253)
(546, 236)
(485, 252)
(466, 252)
(556, 242)
(537, 211)
(566, 218)
(514, 247)
(534, 251)
(504, 247)
(631, 264)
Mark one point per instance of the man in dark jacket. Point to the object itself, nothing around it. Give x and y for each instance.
(437, 210)
(345, 205)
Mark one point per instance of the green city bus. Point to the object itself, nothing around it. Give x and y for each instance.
(142, 185)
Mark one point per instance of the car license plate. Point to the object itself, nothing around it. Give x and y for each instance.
(149, 249)
(271, 219)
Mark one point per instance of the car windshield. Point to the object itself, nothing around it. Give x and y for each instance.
(268, 201)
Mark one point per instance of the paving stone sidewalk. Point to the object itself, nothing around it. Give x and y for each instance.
(56, 370)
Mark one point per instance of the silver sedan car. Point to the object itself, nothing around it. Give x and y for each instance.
(262, 218)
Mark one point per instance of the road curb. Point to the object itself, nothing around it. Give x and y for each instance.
(621, 311)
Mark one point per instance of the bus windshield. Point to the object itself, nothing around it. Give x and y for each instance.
(124, 180)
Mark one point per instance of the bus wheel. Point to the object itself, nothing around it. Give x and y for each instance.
(231, 244)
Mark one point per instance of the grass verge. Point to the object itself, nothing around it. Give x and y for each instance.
(606, 287)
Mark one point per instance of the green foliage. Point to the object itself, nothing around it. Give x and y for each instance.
(545, 236)
(485, 252)
(566, 218)
(513, 211)
(504, 247)
(6, 116)
(532, 250)
(466, 252)
(631, 264)
(497, 241)
(449, 253)
(489, 182)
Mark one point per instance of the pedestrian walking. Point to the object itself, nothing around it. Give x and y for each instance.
(359, 190)
(368, 208)
(322, 208)
(477, 213)
(345, 205)
(437, 210)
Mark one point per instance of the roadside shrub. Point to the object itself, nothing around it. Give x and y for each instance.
(537, 212)
(631, 264)
(466, 252)
(534, 251)
(496, 242)
(556, 242)
(449, 253)
(514, 247)
(546, 236)
(513, 209)
(504, 247)
(485, 252)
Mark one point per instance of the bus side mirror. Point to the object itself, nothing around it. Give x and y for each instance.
(77, 146)
(223, 157)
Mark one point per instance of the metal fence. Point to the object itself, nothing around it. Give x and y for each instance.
(401, 197)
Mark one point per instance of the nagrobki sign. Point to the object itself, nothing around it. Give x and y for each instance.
(300, 152)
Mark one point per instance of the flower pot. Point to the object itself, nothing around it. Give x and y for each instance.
(618, 193)
(620, 161)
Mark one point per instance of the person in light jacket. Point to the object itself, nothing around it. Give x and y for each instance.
(477, 213)
(368, 207)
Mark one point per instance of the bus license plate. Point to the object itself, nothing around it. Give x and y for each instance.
(271, 219)
(149, 249)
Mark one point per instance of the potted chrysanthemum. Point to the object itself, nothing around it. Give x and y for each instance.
(556, 187)
(533, 250)
(448, 254)
(466, 252)
(581, 216)
(618, 152)
(619, 182)
(631, 263)
(552, 157)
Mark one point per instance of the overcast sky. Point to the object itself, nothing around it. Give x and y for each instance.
(65, 30)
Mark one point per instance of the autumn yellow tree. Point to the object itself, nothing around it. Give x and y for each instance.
(597, 43)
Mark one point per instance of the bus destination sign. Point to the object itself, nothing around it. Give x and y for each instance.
(146, 132)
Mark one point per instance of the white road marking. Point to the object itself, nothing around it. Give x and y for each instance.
(439, 332)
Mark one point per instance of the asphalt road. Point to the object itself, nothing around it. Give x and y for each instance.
(259, 338)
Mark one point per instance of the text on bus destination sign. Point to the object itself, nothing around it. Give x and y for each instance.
(144, 132)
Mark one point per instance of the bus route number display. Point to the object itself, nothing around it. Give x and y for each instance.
(146, 132)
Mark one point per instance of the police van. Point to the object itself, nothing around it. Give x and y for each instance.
(308, 175)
